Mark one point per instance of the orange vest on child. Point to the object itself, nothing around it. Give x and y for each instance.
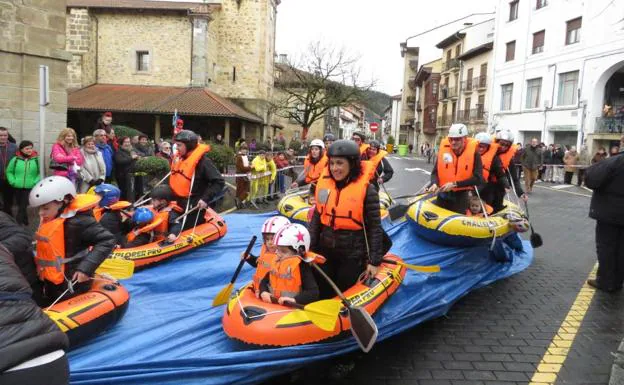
(285, 277)
(264, 265)
(314, 171)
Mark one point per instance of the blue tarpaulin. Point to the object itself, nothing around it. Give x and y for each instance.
(170, 334)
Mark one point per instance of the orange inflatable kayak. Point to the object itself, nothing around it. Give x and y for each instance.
(253, 321)
(88, 314)
(214, 228)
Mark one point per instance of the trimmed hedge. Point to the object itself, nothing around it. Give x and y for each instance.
(121, 131)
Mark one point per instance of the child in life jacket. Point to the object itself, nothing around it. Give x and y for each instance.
(264, 261)
(474, 207)
(168, 211)
(111, 211)
(144, 230)
(71, 244)
(290, 278)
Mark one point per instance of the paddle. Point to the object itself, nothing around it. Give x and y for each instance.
(422, 269)
(400, 209)
(536, 239)
(117, 268)
(363, 327)
(323, 314)
(181, 217)
(142, 199)
(224, 295)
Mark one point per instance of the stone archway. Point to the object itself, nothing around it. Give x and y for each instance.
(599, 77)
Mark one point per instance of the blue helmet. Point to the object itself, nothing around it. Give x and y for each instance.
(110, 194)
(142, 215)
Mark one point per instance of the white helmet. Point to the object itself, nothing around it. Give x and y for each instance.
(318, 143)
(458, 130)
(49, 189)
(274, 224)
(505, 135)
(293, 235)
(483, 138)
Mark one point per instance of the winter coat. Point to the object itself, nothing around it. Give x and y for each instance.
(25, 331)
(598, 157)
(606, 178)
(548, 157)
(60, 155)
(6, 154)
(23, 172)
(531, 157)
(557, 156)
(273, 169)
(144, 151)
(123, 163)
(93, 168)
(19, 242)
(570, 159)
(109, 157)
(281, 163)
(81, 232)
(347, 243)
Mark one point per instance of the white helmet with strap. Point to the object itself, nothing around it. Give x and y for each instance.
(318, 143)
(293, 235)
(458, 130)
(50, 189)
(483, 138)
(505, 135)
(274, 224)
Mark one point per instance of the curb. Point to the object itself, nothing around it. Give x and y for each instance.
(617, 370)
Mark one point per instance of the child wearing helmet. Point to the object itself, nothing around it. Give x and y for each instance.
(264, 261)
(144, 230)
(168, 211)
(111, 211)
(71, 244)
(290, 278)
(313, 165)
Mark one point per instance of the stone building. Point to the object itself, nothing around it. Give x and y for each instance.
(211, 61)
(408, 95)
(427, 92)
(32, 34)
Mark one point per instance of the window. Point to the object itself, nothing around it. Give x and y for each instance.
(466, 114)
(573, 31)
(506, 93)
(142, 63)
(513, 10)
(534, 88)
(510, 53)
(469, 79)
(458, 50)
(541, 4)
(538, 42)
(568, 83)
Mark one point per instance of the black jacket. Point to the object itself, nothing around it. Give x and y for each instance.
(19, 242)
(123, 163)
(606, 178)
(81, 232)
(209, 183)
(498, 172)
(384, 170)
(332, 243)
(113, 222)
(25, 331)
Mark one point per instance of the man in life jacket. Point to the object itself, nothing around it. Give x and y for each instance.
(167, 211)
(377, 156)
(313, 165)
(264, 262)
(71, 244)
(506, 152)
(493, 172)
(457, 170)
(111, 212)
(144, 230)
(360, 139)
(290, 278)
(328, 139)
(194, 179)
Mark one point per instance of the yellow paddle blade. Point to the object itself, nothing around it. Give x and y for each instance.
(223, 296)
(324, 314)
(117, 268)
(423, 269)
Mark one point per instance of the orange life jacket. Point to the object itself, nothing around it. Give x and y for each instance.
(98, 212)
(363, 148)
(453, 168)
(344, 209)
(50, 258)
(148, 228)
(487, 158)
(183, 169)
(264, 265)
(506, 157)
(314, 171)
(162, 230)
(375, 160)
(489, 209)
(285, 277)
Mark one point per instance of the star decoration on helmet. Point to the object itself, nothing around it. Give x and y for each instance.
(299, 236)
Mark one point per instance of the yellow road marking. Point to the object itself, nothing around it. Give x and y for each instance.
(555, 356)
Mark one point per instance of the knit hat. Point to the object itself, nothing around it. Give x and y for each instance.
(108, 114)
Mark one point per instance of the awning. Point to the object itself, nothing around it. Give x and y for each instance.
(189, 101)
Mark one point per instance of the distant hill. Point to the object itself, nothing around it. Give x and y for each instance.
(377, 101)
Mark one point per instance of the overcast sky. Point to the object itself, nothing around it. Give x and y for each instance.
(373, 29)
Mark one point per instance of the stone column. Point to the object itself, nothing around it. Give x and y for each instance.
(226, 132)
(243, 129)
(199, 60)
(157, 128)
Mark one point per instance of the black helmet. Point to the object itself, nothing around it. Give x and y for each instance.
(344, 148)
(375, 144)
(162, 191)
(188, 137)
(359, 134)
(329, 137)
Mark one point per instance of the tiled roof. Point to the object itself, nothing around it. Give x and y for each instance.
(140, 4)
(194, 101)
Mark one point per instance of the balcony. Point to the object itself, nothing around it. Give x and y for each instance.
(467, 86)
(452, 93)
(411, 101)
(614, 125)
(448, 93)
(450, 65)
(480, 82)
(445, 120)
(475, 115)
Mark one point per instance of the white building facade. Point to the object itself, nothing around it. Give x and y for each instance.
(556, 65)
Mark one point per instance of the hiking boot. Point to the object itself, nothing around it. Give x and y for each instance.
(594, 283)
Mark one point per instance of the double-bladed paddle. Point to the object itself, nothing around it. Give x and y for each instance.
(224, 295)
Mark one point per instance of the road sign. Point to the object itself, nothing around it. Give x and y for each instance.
(373, 127)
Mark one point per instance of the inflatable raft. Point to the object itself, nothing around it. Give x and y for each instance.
(253, 321)
(88, 314)
(296, 207)
(446, 227)
(214, 228)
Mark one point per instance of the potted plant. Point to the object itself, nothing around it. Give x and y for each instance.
(390, 144)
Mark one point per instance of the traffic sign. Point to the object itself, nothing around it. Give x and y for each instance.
(373, 127)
